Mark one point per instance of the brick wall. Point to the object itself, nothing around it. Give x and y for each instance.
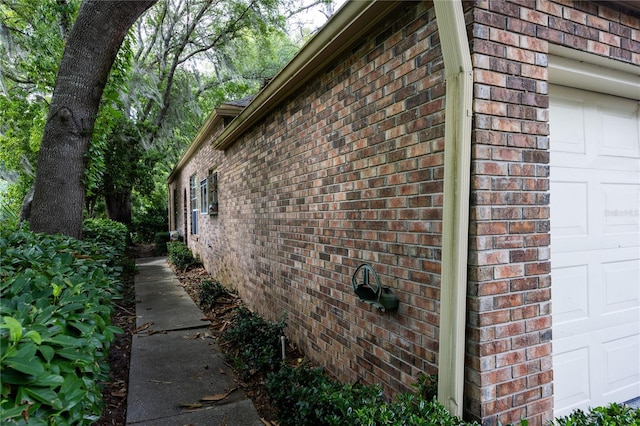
(348, 171)
(509, 367)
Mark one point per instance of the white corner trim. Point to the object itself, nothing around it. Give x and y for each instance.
(457, 170)
(581, 70)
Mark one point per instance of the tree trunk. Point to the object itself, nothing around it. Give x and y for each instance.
(91, 49)
(119, 206)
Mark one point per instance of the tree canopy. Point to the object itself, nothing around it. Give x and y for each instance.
(178, 61)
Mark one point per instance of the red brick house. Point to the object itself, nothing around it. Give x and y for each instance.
(484, 158)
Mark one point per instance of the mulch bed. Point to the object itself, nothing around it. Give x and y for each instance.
(114, 394)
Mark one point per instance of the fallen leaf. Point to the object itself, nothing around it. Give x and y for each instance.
(190, 405)
(120, 393)
(217, 397)
(143, 327)
(214, 398)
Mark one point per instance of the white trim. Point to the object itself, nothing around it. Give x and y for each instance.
(581, 70)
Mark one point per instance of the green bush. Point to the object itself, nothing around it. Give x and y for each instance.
(160, 240)
(611, 415)
(306, 396)
(258, 339)
(55, 299)
(181, 257)
(147, 221)
(106, 231)
(210, 291)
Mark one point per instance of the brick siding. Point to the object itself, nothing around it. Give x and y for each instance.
(349, 170)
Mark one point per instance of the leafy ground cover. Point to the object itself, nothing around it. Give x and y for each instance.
(56, 298)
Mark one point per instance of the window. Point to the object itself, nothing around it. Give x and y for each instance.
(213, 192)
(175, 209)
(204, 198)
(193, 190)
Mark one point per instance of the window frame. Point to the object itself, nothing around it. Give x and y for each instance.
(193, 196)
(212, 201)
(204, 197)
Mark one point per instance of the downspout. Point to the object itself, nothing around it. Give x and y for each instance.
(457, 170)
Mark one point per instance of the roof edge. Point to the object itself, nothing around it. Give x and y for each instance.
(212, 121)
(351, 21)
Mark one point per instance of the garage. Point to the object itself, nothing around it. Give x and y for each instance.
(595, 237)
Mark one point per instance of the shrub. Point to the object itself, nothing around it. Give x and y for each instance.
(306, 396)
(9, 219)
(258, 339)
(181, 257)
(613, 414)
(210, 291)
(113, 234)
(160, 240)
(148, 220)
(55, 299)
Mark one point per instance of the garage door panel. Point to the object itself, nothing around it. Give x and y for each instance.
(595, 248)
(569, 367)
(598, 368)
(620, 131)
(570, 200)
(594, 209)
(622, 361)
(622, 287)
(598, 289)
(621, 208)
(570, 362)
(571, 284)
(569, 134)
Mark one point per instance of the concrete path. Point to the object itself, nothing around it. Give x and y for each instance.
(175, 362)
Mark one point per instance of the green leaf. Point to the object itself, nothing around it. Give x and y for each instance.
(75, 355)
(25, 366)
(25, 361)
(49, 380)
(46, 396)
(15, 328)
(12, 412)
(34, 336)
(64, 341)
(13, 377)
(47, 352)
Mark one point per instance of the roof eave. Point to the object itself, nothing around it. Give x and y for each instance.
(352, 21)
(214, 119)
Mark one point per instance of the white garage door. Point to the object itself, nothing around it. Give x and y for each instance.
(595, 248)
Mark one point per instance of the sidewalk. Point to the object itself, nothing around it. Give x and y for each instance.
(175, 362)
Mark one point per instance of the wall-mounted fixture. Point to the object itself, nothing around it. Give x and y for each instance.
(373, 293)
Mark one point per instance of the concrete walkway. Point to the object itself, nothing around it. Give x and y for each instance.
(175, 362)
